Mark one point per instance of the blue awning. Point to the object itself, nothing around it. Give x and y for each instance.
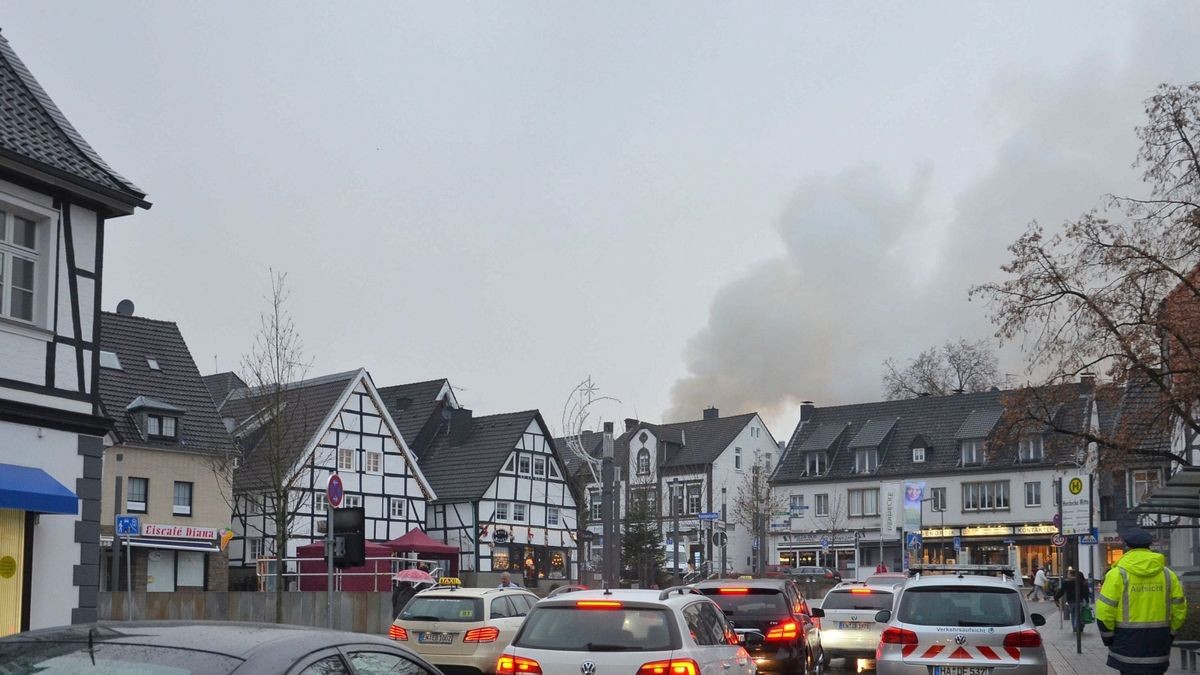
(30, 489)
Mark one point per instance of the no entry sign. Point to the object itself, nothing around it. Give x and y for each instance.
(334, 491)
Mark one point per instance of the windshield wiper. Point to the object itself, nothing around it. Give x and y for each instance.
(601, 647)
(962, 622)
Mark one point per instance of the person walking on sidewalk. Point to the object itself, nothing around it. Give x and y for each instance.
(1074, 590)
(1039, 586)
(1140, 608)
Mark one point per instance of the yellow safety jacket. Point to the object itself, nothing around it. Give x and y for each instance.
(1140, 607)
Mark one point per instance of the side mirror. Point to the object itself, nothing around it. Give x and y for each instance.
(1037, 619)
(883, 616)
(816, 612)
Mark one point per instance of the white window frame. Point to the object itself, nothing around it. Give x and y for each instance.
(183, 509)
(816, 463)
(502, 511)
(594, 511)
(524, 464)
(918, 455)
(9, 251)
(864, 502)
(737, 459)
(938, 497)
(254, 546)
(693, 498)
(1031, 449)
(539, 467)
(371, 457)
(1149, 479)
(988, 495)
(352, 501)
(520, 512)
(133, 505)
(1033, 493)
(821, 505)
(971, 451)
(393, 511)
(510, 465)
(643, 462)
(796, 506)
(320, 501)
(866, 460)
(552, 516)
(552, 468)
(345, 459)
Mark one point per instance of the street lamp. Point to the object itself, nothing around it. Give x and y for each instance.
(675, 532)
(942, 511)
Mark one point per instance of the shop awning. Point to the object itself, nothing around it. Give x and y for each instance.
(30, 489)
(1179, 497)
(166, 543)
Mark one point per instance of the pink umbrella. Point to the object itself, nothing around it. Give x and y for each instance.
(413, 575)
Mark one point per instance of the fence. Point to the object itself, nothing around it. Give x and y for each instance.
(361, 612)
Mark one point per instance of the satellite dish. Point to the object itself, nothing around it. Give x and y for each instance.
(125, 307)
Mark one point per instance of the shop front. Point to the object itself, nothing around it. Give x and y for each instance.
(844, 551)
(531, 563)
(168, 558)
(1027, 546)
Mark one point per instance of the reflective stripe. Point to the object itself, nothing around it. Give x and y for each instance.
(1106, 634)
(1167, 585)
(1124, 594)
(1176, 601)
(1142, 624)
(1140, 659)
(1105, 600)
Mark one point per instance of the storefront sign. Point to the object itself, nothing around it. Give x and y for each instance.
(938, 532)
(1076, 504)
(181, 531)
(987, 531)
(889, 497)
(1036, 529)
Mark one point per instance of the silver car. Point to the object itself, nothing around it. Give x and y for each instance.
(848, 629)
(960, 624)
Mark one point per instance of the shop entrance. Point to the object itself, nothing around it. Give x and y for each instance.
(12, 570)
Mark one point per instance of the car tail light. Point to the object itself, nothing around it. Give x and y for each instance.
(508, 664)
(860, 591)
(485, 634)
(829, 575)
(1025, 638)
(898, 636)
(598, 604)
(739, 591)
(784, 631)
(672, 667)
(397, 632)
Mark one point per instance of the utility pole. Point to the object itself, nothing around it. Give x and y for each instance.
(725, 524)
(675, 532)
(755, 550)
(607, 510)
(115, 570)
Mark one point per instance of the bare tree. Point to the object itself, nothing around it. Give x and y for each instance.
(754, 502)
(1117, 291)
(954, 367)
(834, 521)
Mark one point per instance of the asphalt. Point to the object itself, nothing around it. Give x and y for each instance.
(1092, 659)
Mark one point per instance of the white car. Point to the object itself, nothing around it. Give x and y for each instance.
(603, 632)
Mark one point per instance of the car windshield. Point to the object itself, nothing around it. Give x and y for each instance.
(106, 658)
(735, 602)
(961, 606)
(443, 609)
(858, 598)
(598, 630)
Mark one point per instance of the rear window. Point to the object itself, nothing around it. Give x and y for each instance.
(443, 609)
(961, 606)
(597, 630)
(754, 601)
(865, 598)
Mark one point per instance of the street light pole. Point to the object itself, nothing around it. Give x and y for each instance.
(675, 532)
(724, 548)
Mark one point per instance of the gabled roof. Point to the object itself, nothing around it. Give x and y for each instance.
(35, 133)
(873, 433)
(463, 472)
(221, 384)
(823, 436)
(147, 403)
(593, 444)
(413, 405)
(176, 385)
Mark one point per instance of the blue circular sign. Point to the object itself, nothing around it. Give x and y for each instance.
(825, 542)
(334, 491)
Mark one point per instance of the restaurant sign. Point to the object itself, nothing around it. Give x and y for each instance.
(1036, 529)
(987, 531)
(179, 531)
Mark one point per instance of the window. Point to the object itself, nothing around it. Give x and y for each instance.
(767, 459)
(1142, 482)
(255, 544)
(554, 473)
(539, 466)
(1031, 449)
(676, 498)
(985, 496)
(518, 513)
(139, 492)
(552, 515)
(110, 360)
(379, 663)
(345, 459)
(815, 463)
(352, 501)
(796, 506)
(320, 502)
(643, 462)
(501, 510)
(396, 507)
(693, 498)
(183, 499)
(594, 513)
(753, 432)
(821, 502)
(523, 465)
(1057, 491)
(972, 451)
(938, 495)
(866, 460)
(18, 266)
(1033, 494)
(864, 502)
(158, 426)
(918, 455)
(737, 458)
(374, 462)
(153, 363)
(510, 465)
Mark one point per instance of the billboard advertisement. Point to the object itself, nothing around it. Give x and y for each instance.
(914, 492)
(889, 503)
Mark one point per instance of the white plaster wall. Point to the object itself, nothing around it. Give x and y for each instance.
(730, 478)
(23, 358)
(83, 231)
(55, 552)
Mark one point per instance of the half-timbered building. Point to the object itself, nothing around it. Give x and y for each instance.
(56, 197)
(503, 497)
(334, 423)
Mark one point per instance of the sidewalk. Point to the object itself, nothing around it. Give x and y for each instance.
(1060, 647)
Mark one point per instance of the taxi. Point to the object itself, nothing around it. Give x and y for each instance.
(462, 629)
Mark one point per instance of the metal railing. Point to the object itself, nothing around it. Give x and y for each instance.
(380, 568)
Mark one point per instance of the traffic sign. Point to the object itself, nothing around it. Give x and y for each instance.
(720, 539)
(128, 526)
(1058, 540)
(957, 543)
(709, 515)
(1076, 503)
(825, 543)
(1090, 538)
(913, 541)
(334, 491)
(1057, 520)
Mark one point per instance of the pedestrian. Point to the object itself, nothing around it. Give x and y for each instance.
(1039, 585)
(402, 592)
(1140, 608)
(881, 568)
(506, 581)
(1074, 591)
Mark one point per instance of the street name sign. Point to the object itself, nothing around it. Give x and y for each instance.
(709, 515)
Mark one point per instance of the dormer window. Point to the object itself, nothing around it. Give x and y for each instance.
(866, 460)
(1031, 449)
(918, 455)
(643, 462)
(161, 426)
(815, 463)
(972, 451)
(109, 360)
(152, 363)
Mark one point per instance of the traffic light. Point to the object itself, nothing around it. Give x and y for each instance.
(349, 537)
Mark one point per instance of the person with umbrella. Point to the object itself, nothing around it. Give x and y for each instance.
(404, 586)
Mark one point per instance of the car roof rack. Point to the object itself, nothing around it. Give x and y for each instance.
(961, 569)
(678, 589)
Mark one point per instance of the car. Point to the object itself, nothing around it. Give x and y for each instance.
(209, 647)
(813, 572)
(647, 632)
(887, 579)
(788, 638)
(959, 624)
(462, 629)
(849, 630)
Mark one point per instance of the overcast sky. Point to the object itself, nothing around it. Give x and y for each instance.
(742, 205)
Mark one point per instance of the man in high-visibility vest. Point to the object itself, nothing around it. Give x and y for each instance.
(1140, 607)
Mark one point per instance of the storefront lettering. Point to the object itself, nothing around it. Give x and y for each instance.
(1036, 529)
(987, 531)
(179, 531)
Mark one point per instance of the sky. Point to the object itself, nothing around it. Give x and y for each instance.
(739, 205)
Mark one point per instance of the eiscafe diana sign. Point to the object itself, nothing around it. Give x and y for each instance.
(179, 531)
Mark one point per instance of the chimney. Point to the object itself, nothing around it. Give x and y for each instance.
(711, 413)
(460, 426)
(806, 410)
(630, 424)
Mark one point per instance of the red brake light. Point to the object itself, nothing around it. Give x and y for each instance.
(598, 604)
(739, 591)
(672, 667)
(397, 633)
(485, 634)
(898, 636)
(1025, 638)
(508, 664)
(860, 591)
(784, 631)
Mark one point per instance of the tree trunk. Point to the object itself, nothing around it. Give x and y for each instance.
(280, 551)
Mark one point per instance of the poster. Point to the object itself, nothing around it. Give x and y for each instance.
(914, 492)
(889, 497)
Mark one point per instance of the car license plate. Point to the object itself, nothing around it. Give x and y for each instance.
(854, 625)
(961, 670)
(437, 638)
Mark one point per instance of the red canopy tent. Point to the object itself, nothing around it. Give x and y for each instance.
(376, 575)
(416, 541)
